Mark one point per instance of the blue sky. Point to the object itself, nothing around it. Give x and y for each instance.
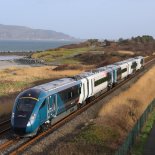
(103, 19)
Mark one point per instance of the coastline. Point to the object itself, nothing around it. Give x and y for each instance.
(9, 61)
(9, 53)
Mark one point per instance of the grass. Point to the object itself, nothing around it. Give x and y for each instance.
(126, 52)
(94, 135)
(62, 53)
(7, 87)
(138, 148)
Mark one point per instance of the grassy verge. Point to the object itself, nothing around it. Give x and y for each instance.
(138, 148)
(97, 135)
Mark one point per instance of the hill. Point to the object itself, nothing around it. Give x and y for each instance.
(10, 32)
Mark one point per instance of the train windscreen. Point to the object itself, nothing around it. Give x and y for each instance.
(26, 105)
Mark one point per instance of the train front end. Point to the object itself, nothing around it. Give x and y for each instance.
(24, 119)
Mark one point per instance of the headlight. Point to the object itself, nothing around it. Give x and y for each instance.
(32, 119)
(13, 115)
(12, 118)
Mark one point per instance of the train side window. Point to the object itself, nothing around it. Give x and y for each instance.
(43, 104)
(76, 91)
(64, 95)
(100, 81)
(124, 70)
(50, 101)
(79, 90)
(134, 64)
(69, 95)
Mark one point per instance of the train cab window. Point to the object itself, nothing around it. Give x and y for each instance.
(26, 104)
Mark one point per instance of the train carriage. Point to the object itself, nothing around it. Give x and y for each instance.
(140, 62)
(45, 103)
(124, 69)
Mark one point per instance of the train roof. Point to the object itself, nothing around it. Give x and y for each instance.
(105, 68)
(83, 75)
(56, 84)
(139, 57)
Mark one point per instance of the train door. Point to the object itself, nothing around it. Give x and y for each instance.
(111, 76)
(84, 93)
(114, 75)
(92, 85)
(43, 112)
(52, 106)
(88, 89)
(129, 68)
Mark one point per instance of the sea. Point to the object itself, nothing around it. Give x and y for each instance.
(24, 46)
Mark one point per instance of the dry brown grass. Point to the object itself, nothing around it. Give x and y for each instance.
(16, 79)
(31, 73)
(126, 52)
(122, 111)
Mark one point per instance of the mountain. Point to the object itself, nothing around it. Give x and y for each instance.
(11, 32)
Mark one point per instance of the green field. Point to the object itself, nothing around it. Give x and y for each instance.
(60, 55)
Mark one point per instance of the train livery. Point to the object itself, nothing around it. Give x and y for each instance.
(49, 103)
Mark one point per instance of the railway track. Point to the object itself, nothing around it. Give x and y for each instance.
(21, 147)
(5, 126)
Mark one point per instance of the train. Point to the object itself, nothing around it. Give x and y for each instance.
(48, 103)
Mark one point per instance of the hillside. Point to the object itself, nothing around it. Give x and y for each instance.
(97, 53)
(9, 32)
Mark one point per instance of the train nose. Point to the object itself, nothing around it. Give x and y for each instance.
(20, 125)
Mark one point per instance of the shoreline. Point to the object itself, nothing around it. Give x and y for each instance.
(10, 53)
(4, 64)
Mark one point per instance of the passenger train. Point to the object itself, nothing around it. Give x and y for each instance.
(49, 103)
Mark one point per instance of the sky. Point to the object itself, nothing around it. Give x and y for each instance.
(102, 19)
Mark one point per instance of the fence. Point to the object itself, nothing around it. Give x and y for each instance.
(126, 147)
